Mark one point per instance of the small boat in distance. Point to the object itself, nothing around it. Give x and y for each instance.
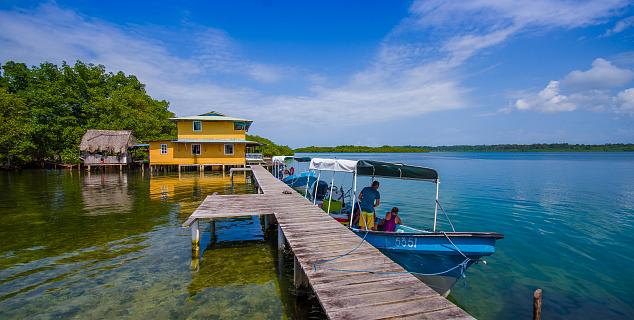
(438, 258)
(286, 169)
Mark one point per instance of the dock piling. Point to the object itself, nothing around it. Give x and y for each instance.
(195, 238)
(281, 241)
(537, 304)
(299, 277)
(265, 224)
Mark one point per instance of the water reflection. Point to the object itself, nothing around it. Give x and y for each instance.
(100, 191)
(111, 245)
(198, 186)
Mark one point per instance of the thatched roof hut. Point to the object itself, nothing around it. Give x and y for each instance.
(111, 141)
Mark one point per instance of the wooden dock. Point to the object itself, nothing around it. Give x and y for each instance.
(313, 236)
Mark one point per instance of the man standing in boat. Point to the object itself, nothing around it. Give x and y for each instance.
(369, 198)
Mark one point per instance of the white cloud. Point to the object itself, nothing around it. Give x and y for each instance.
(463, 47)
(497, 13)
(603, 74)
(479, 24)
(594, 89)
(626, 101)
(620, 26)
(548, 100)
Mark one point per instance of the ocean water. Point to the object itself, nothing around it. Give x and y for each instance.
(568, 221)
(111, 245)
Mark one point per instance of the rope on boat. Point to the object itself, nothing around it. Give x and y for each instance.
(447, 216)
(463, 265)
(324, 261)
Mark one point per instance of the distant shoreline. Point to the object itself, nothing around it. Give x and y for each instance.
(555, 147)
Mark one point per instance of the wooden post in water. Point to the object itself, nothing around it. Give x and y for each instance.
(195, 238)
(265, 224)
(537, 304)
(281, 241)
(299, 277)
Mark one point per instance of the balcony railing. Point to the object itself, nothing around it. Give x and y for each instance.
(254, 156)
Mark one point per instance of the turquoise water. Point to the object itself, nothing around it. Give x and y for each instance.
(110, 245)
(568, 221)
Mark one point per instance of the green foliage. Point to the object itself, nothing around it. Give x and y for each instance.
(46, 109)
(362, 149)
(15, 130)
(70, 156)
(271, 149)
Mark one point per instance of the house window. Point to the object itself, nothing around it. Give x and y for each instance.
(196, 149)
(163, 148)
(239, 126)
(228, 149)
(198, 126)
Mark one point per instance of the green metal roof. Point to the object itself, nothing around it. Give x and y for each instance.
(211, 116)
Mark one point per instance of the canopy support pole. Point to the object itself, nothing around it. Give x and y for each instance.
(436, 208)
(316, 186)
(307, 181)
(354, 197)
(332, 184)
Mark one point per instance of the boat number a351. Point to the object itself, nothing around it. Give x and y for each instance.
(405, 242)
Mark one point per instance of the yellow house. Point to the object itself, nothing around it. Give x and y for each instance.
(210, 139)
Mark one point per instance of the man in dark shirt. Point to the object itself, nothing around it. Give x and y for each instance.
(369, 198)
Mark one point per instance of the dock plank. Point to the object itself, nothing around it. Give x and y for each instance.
(388, 292)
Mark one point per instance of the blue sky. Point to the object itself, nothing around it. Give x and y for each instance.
(360, 72)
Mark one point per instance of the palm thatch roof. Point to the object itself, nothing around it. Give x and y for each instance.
(117, 141)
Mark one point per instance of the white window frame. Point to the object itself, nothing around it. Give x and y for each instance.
(163, 145)
(200, 149)
(194, 125)
(233, 149)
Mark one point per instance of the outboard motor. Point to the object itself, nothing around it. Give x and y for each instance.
(320, 189)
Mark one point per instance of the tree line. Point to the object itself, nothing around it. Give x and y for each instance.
(269, 148)
(46, 109)
(539, 147)
(362, 149)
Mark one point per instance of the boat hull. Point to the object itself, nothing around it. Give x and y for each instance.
(431, 256)
(300, 180)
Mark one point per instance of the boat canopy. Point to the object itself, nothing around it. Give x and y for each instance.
(280, 158)
(339, 165)
(375, 169)
(284, 158)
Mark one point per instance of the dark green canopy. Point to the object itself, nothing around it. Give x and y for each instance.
(395, 170)
(302, 159)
